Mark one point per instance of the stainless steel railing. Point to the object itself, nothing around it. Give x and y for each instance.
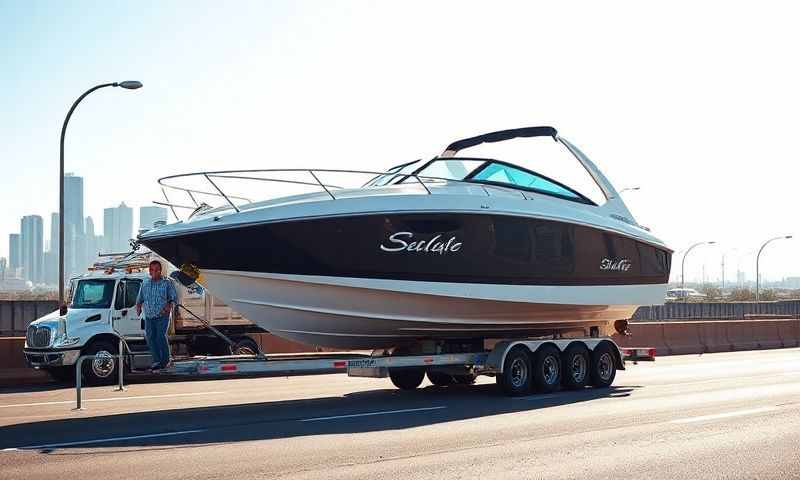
(168, 183)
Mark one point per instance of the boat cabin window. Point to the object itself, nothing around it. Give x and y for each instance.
(93, 293)
(455, 169)
(545, 158)
(509, 175)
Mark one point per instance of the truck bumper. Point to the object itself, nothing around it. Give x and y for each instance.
(51, 358)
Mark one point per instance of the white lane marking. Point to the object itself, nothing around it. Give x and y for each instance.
(112, 399)
(104, 440)
(737, 413)
(369, 414)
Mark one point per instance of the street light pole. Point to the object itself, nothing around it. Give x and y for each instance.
(130, 85)
(758, 257)
(683, 261)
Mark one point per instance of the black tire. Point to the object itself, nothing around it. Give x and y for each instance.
(516, 377)
(245, 346)
(103, 370)
(407, 378)
(62, 374)
(604, 369)
(575, 367)
(547, 369)
(440, 379)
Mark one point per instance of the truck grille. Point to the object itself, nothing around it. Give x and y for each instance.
(38, 337)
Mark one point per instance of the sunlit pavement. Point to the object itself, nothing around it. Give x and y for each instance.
(732, 415)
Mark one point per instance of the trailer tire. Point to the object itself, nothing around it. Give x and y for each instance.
(575, 366)
(547, 369)
(603, 367)
(64, 374)
(407, 378)
(245, 346)
(440, 379)
(101, 370)
(516, 377)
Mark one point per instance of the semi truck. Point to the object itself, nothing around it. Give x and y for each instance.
(102, 311)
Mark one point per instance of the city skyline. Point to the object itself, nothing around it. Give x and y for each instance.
(34, 250)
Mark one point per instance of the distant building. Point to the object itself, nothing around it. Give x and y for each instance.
(73, 203)
(14, 253)
(117, 228)
(792, 282)
(94, 243)
(148, 216)
(31, 248)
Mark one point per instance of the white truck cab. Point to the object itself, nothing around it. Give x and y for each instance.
(102, 308)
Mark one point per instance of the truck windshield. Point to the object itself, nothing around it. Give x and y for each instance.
(93, 293)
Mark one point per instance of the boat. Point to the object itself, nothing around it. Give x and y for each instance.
(450, 248)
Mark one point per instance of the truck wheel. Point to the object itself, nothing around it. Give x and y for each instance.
(62, 374)
(575, 363)
(101, 370)
(407, 378)
(516, 376)
(245, 346)
(547, 369)
(603, 368)
(440, 379)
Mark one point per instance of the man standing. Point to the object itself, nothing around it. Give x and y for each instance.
(158, 296)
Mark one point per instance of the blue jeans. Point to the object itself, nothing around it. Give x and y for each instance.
(155, 332)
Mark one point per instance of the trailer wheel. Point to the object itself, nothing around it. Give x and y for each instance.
(245, 346)
(101, 370)
(603, 368)
(440, 379)
(547, 369)
(64, 374)
(516, 376)
(407, 378)
(575, 362)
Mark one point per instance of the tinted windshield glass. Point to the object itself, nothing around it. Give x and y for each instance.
(93, 294)
(500, 173)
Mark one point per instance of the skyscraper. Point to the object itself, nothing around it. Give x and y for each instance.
(31, 248)
(149, 215)
(118, 228)
(73, 202)
(93, 242)
(14, 253)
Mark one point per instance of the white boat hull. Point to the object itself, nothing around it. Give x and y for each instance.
(372, 313)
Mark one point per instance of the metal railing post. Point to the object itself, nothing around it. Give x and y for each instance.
(322, 185)
(78, 376)
(121, 366)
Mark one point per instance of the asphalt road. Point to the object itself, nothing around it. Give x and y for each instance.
(726, 415)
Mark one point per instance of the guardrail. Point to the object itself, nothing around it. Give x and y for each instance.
(120, 369)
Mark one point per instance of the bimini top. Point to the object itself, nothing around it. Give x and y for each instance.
(499, 136)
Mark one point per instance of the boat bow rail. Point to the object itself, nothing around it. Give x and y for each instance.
(170, 184)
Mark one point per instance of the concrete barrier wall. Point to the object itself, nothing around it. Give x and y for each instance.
(16, 315)
(682, 337)
(717, 311)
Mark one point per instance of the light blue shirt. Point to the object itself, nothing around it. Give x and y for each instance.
(155, 296)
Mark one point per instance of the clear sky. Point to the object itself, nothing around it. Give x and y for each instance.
(695, 103)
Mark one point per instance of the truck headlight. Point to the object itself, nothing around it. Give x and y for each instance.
(61, 331)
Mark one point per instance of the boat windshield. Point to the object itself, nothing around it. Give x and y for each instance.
(93, 293)
(495, 172)
(393, 174)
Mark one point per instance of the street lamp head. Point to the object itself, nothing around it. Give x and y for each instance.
(712, 243)
(130, 84)
(787, 237)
